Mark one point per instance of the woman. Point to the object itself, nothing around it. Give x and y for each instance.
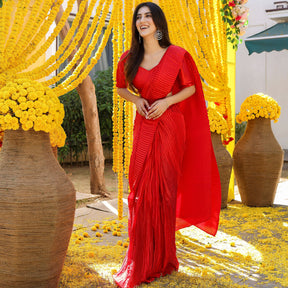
(173, 175)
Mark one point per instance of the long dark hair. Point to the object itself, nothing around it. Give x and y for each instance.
(136, 52)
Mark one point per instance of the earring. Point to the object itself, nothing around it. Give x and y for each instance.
(158, 35)
(139, 38)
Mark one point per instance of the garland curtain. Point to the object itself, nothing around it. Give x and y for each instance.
(195, 25)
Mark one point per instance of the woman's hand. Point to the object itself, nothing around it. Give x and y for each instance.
(142, 106)
(157, 109)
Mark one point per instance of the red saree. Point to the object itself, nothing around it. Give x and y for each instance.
(173, 174)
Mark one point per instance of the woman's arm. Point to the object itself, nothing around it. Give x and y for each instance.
(142, 104)
(160, 106)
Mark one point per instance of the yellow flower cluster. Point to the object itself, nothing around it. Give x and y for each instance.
(217, 123)
(28, 105)
(259, 105)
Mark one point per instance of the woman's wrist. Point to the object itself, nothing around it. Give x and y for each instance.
(169, 100)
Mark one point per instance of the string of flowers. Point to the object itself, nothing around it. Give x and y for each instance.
(79, 74)
(259, 105)
(25, 59)
(121, 117)
(235, 15)
(28, 30)
(66, 48)
(115, 129)
(128, 106)
(15, 60)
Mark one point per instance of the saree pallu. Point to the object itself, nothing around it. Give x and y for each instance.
(173, 174)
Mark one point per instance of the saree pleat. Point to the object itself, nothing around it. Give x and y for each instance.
(173, 175)
(152, 204)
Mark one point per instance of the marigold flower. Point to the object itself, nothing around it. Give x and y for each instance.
(91, 254)
(85, 234)
(98, 234)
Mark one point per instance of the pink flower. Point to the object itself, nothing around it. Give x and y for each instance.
(232, 4)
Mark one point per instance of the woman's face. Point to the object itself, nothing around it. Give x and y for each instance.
(144, 22)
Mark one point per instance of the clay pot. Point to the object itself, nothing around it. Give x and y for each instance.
(37, 205)
(224, 163)
(258, 160)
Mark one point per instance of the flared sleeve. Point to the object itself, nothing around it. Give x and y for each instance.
(185, 78)
(120, 75)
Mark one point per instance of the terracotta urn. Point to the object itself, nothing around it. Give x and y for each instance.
(37, 205)
(224, 163)
(258, 160)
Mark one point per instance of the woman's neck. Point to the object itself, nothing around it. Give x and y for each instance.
(151, 45)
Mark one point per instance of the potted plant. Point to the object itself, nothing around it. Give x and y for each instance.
(258, 157)
(37, 198)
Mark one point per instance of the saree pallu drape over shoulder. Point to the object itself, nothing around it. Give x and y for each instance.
(173, 174)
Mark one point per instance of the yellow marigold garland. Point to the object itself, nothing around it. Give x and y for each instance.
(217, 122)
(28, 105)
(35, 13)
(15, 63)
(79, 74)
(14, 66)
(120, 119)
(259, 105)
(66, 48)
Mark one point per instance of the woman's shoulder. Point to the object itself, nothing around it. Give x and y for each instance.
(124, 55)
(177, 49)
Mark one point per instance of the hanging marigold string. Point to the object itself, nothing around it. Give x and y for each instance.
(22, 46)
(67, 46)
